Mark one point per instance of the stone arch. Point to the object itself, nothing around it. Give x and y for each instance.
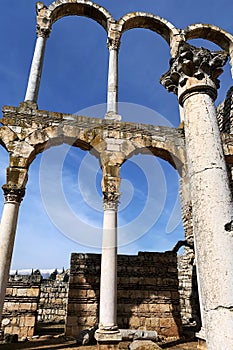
(149, 21)
(59, 9)
(209, 32)
(163, 152)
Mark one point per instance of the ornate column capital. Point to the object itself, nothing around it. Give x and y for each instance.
(43, 32)
(111, 193)
(43, 27)
(13, 195)
(194, 69)
(114, 38)
(111, 200)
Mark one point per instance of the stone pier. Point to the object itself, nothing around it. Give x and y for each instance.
(193, 75)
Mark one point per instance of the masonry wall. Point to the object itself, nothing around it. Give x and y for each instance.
(148, 296)
(53, 301)
(21, 304)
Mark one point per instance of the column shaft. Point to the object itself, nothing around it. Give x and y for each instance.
(212, 214)
(36, 69)
(7, 237)
(108, 284)
(112, 98)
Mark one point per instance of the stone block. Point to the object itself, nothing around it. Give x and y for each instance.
(143, 345)
(29, 321)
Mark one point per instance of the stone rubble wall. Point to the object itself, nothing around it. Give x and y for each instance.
(148, 293)
(21, 304)
(53, 301)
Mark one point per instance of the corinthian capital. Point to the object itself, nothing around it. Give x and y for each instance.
(199, 63)
(43, 20)
(43, 31)
(111, 200)
(114, 40)
(13, 195)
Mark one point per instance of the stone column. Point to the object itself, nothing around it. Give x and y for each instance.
(112, 96)
(13, 198)
(36, 66)
(193, 76)
(108, 331)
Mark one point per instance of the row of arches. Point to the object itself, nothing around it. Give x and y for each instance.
(167, 30)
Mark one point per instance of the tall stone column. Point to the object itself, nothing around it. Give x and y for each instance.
(112, 95)
(193, 76)
(108, 331)
(36, 66)
(13, 198)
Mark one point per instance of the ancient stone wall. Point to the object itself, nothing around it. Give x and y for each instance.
(31, 299)
(21, 304)
(148, 296)
(53, 301)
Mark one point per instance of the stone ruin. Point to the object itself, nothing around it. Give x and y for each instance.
(200, 150)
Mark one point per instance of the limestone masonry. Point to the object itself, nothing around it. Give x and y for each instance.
(151, 291)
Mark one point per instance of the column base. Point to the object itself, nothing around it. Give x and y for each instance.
(108, 339)
(112, 116)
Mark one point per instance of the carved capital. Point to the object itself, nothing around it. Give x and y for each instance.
(13, 195)
(114, 40)
(111, 200)
(43, 27)
(199, 63)
(43, 31)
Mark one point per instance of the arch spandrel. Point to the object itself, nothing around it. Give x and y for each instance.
(209, 32)
(149, 21)
(63, 8)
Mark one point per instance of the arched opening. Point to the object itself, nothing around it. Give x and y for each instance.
(59, 206)
(149, 227)
(91, 10)
(143, 58)
(56, 171)
(150, 199)
(77, 78)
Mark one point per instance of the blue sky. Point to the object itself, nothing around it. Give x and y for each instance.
(74, 79)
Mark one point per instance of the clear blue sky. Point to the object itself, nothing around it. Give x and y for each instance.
(74, 79)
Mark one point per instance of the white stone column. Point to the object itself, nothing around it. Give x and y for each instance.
(112, 94)
(194, 74)
(8, 225)
(36, 67)
(108, 329)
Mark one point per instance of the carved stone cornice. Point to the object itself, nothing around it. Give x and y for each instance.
(111, 200)
(199, 63)
(13, 195)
